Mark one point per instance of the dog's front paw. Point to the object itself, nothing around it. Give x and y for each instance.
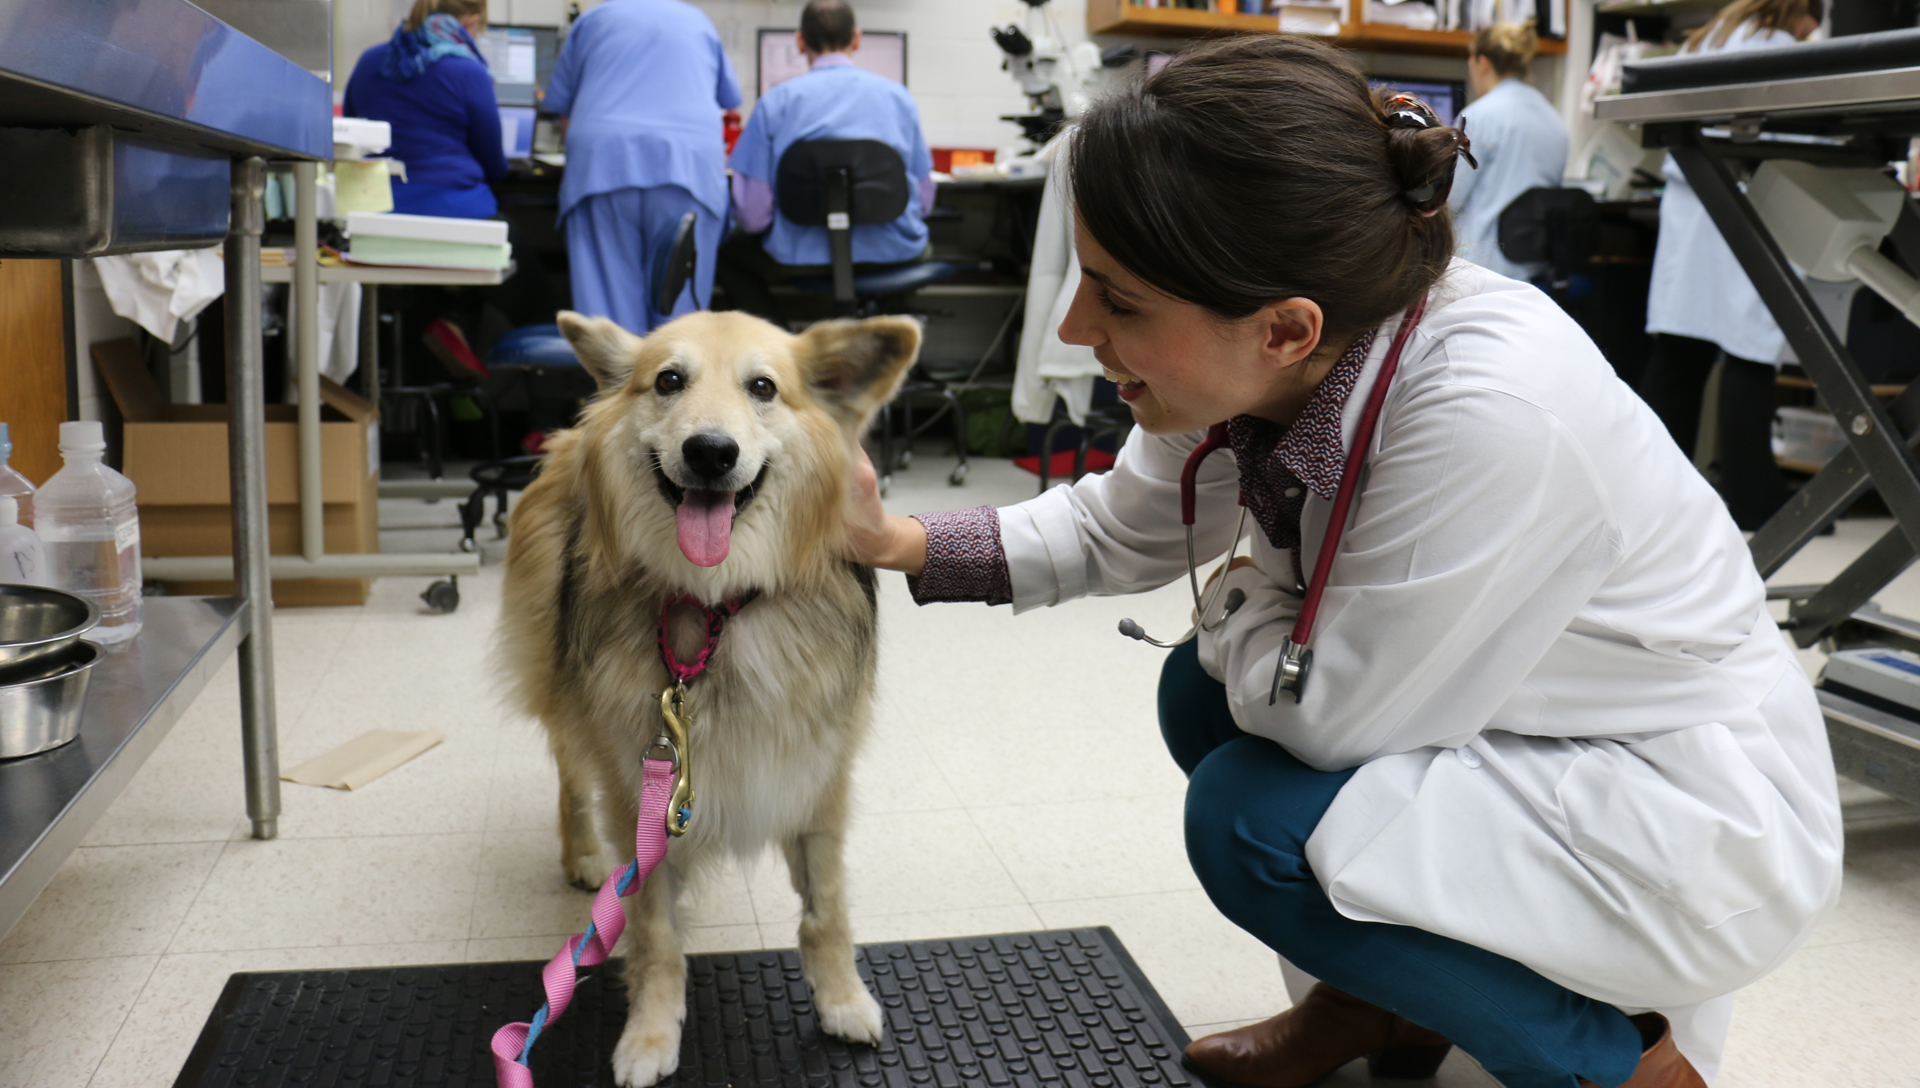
(646, 1054)
(588, 871)
(853, 1016)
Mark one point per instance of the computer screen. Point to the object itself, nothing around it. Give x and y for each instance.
(882, 52)
(1447, 96)
(521, 59)
(516, 131)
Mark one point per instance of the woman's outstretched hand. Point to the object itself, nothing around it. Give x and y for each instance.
(875, 537)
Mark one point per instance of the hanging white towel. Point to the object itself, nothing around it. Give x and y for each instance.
(159, 290)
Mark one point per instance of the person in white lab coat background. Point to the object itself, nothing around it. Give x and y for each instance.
(1557, 787)
(1701, 303)
(1517, 138)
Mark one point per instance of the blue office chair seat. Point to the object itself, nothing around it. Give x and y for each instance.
(903, 280)
(533, 345)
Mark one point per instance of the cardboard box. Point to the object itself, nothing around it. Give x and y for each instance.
(176, 455)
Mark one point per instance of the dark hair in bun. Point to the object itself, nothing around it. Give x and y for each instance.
(1264, 167)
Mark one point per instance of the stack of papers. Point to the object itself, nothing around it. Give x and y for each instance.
(427, 241)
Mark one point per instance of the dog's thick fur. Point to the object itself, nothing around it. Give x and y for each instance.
(787, 695)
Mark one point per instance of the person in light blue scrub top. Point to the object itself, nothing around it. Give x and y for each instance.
(834, 100)
(641, 85)
(1518, 137)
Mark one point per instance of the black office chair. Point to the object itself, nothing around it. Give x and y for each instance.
(1558, 226)
(840, 185)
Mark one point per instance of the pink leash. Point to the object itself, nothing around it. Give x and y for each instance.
(514, 1042)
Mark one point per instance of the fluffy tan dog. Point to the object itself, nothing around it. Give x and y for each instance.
(714, 463)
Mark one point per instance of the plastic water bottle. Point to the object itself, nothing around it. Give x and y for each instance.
(23, 560)
(86, 519)
(12, 483)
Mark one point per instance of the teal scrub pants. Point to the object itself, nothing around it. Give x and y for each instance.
(1250, 810)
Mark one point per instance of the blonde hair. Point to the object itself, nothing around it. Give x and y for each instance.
(459, 9)
(1764, 14)
(1509, 47)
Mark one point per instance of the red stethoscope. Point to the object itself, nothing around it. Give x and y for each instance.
(1296, 656)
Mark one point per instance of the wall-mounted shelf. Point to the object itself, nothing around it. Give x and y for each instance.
(1119, 17)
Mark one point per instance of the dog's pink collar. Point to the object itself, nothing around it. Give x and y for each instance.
(716, 620)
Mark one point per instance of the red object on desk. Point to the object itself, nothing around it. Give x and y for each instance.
(730, 128)
(946, 158)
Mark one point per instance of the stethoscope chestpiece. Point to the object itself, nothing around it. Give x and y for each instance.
(1290, 674)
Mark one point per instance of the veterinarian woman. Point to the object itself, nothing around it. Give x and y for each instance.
(1554, 765)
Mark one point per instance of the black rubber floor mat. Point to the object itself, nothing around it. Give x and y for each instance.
(1056, 1009)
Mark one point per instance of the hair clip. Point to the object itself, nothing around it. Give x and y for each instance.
(1407, 111)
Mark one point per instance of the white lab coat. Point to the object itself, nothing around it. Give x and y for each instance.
(1582, 742)
(1045, 367)
(1521, 145)
(1699, 288)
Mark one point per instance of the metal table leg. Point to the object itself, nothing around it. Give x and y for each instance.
(1876, 442)
(246, 456)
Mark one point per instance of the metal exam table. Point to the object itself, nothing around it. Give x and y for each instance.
(1852, 101)
(145, 125)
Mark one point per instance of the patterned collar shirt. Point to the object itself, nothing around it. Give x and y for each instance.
(1278, 465)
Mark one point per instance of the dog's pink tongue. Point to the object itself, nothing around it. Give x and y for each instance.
(705, 522)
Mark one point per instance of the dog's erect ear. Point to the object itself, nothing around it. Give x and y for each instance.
(856, 366)
(605, 349)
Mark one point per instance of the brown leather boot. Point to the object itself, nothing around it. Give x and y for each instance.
(1325, 1031)
(1661, 1063)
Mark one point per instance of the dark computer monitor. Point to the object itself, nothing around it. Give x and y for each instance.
(1447, 96)
(516, 131)
(882, 52)
(521, 59)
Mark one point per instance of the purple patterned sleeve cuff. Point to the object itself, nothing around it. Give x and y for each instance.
(965, 559)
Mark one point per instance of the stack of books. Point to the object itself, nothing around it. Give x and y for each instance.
(427, 241)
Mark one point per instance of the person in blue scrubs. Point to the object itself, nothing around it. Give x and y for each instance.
(834, 100)
(1517, 137)
(641, 85)
(431, 85)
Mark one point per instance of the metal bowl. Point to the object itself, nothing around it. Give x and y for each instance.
(43, 711)
(37, 622)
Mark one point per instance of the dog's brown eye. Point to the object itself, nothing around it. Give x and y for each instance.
(761, 387)
(669, 381)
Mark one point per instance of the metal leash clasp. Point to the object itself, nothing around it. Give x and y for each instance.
(673, 708)
(1290, 674)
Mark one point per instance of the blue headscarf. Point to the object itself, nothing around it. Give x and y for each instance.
(412, 52)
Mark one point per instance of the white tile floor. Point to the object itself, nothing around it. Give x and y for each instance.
(1016, 781)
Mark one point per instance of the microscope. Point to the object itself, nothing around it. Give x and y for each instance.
(1059, 82)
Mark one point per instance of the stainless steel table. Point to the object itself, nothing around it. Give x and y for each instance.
(157, 120)
(48, 802)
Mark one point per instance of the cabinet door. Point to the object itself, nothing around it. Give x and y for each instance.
(33, 363)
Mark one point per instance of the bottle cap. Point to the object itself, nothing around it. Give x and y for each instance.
(9, 511)
(82, 436)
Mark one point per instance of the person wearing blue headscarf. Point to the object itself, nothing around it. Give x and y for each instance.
(641, 85)
(430, 83)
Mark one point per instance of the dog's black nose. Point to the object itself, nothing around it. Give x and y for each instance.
(710, 455)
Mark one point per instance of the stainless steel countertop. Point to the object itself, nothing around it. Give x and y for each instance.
(48, 802)
(1852, 94)
(163, 68)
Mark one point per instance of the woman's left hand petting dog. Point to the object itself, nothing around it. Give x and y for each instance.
(712, 467)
